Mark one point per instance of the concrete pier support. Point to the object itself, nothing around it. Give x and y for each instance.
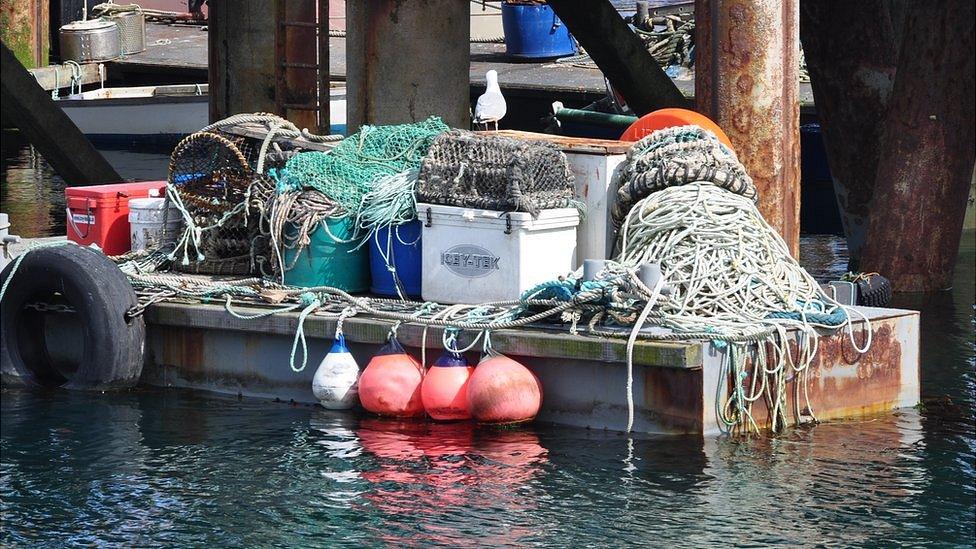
(747, 80)
(406, 61)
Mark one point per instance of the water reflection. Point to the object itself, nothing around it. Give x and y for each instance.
(169, 466)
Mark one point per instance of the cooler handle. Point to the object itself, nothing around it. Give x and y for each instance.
(88, 216)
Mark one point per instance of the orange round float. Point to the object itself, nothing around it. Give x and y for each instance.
(668, 118)
(444, 390)
(390, 384)
(503, 391)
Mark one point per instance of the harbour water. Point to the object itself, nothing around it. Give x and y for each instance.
(158, 467)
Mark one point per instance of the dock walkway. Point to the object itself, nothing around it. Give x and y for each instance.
(181, 50)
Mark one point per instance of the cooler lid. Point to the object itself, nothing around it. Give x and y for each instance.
(135, 189)
(455, 215)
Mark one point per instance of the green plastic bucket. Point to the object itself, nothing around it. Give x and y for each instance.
(327, 262)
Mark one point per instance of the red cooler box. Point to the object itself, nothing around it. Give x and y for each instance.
(100, 214)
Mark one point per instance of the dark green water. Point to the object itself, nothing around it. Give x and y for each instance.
(168, 468)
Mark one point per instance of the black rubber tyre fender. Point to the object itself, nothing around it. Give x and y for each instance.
(874, 291)
(111, 345)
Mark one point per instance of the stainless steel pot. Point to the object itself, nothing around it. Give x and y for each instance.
(132, 26)
(91, 41)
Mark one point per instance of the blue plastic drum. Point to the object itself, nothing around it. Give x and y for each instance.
(400, 249)
(532, 31)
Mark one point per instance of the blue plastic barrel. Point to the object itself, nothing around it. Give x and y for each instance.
(399, 248)
(532, 31)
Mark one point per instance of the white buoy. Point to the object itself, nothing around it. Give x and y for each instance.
(335, 382)
(491, 105)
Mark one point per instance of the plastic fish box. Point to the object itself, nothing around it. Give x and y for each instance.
(475, 256)
(99, 214)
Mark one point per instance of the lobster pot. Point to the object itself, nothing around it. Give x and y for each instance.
(132, 30)
(596, 165)
(91, 41)
(495, 173)
(475, 256)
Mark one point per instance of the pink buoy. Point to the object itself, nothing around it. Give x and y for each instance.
(503, 391)
(390, 384)
(444, 391)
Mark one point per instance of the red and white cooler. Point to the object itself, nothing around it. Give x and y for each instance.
(99, 214)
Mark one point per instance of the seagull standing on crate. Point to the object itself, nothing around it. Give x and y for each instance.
(491, 105)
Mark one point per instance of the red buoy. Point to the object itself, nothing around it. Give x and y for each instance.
(503, 391)
(390, 384)
(444, 391)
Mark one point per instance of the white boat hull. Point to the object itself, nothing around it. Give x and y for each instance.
(135, 114)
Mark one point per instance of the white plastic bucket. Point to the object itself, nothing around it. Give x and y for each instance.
(475, 256)
(152, 224)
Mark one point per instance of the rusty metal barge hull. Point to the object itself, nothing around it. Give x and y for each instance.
(677, 385)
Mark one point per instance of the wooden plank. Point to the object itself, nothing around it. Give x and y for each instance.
(522, 342)
(619, 53)
(183, 50)
(30, 108)
(59, 76)
(583, 145)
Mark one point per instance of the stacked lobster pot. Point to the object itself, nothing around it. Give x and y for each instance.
(219, 187)
(499, 216)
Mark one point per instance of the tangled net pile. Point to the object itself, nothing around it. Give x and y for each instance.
(495, 173)
(348, 171)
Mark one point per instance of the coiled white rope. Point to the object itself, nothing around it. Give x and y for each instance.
(733, 276)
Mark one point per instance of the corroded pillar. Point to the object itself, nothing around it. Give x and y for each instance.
(747, 81)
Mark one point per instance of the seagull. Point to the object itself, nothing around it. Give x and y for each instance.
(491, 105)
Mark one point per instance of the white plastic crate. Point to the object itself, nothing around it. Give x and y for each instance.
(475, 256)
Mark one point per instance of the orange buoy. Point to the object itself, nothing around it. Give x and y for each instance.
(667, 118)
(390, 384)
(444, 391)
(503, 391)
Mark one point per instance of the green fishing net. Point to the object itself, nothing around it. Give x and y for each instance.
(349, 170)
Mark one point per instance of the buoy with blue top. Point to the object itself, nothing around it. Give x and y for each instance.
(390, 384)
(335, 382)
(444, 390)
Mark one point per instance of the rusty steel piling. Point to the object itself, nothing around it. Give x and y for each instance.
(406, 61)
(851, 53)
(747, 80)
(928, 150)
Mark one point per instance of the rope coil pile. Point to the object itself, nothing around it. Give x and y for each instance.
(677, 156)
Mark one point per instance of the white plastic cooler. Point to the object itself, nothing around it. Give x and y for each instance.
(475, 256)
(596, 165)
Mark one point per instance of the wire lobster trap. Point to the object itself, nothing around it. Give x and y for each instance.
(212, 177)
